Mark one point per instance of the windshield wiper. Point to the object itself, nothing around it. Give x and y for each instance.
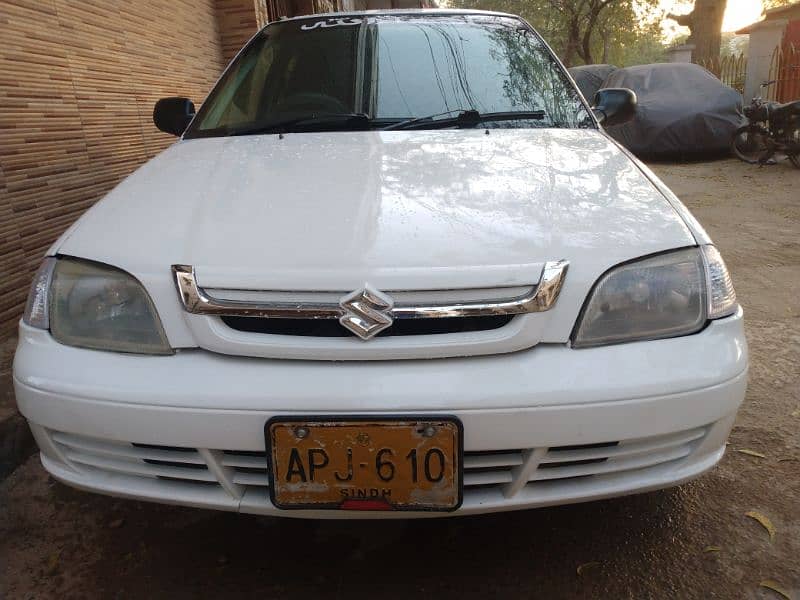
(408, 123)
(465, 118)
(323, 122)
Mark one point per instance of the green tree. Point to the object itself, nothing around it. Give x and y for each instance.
(588, 31)
(629, 33)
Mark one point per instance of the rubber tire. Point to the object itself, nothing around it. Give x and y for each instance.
(748, 158)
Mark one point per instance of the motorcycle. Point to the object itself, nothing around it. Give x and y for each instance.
(772, 128)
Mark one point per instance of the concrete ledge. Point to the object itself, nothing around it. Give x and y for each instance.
(16, 441)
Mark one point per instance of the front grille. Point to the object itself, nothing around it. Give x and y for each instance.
(249, 468)
(319, 335)
(332, 327)
(486, 469)
(569, 462)
(138, 460)
(510, 471)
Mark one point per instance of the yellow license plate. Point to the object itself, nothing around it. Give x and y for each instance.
(358, 463)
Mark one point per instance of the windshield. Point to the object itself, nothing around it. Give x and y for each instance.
(382, 70)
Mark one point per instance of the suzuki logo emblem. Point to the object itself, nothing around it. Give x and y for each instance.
(367, 312)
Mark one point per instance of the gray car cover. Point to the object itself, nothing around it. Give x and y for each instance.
(590, 78)
(684, 111)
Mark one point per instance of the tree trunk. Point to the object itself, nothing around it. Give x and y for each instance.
(585, 49)
(705, 23)
(572, 45)
(595, 8)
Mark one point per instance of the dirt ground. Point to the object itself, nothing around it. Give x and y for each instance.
(690, 542)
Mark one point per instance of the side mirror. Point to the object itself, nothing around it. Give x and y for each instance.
(614, 106)
(172, 115)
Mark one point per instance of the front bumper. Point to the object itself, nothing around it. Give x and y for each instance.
(188, 428)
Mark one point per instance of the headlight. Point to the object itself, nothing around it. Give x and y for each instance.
(91, 305)
(668, 295)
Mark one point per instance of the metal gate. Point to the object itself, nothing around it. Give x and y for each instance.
(784, 69)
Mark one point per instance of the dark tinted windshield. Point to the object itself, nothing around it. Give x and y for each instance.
(391, 68)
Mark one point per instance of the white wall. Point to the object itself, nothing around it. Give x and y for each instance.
(763, 42)
(681, 54)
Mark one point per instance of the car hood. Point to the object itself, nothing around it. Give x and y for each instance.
(399, 209)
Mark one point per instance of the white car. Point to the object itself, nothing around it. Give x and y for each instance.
(394, 267)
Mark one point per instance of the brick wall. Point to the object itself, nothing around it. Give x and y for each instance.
(78, 80)
(237, 23)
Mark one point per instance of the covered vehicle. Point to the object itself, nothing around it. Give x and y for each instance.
(683, 110)
(590, 78)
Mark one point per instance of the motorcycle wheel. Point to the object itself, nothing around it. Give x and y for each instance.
(794, 145)
(749, 143)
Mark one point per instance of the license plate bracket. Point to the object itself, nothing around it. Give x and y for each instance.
(386, 462)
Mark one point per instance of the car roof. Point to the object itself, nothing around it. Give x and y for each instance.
(396, 12)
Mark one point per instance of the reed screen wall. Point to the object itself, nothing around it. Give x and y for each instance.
(78, 80)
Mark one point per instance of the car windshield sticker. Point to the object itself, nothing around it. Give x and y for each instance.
(331, 23)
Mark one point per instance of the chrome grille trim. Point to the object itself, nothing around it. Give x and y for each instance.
(540, 298)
